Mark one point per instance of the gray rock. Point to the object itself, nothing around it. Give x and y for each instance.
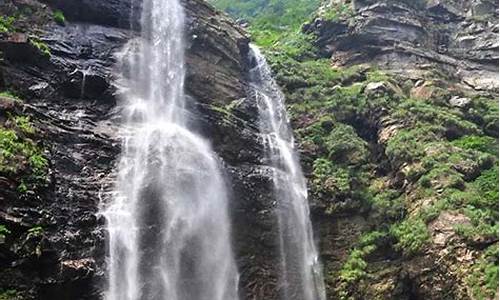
(458, 101)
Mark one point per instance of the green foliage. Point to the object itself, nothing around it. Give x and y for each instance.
(41, 46)
(16, 151)
(411, 235)
(479, 143)
(388, 206)
(59, 17)
(24, 124)
(484, 278)
(36, 231)
(9, 294)
(3, 232)
(479, 202)
(408, 145)
(274, 23)
(343, 144)
(22, 187)
(10, 95)
(330, 179)
(354, 268)
(337, 11)
(276, 15)
(450, 122)
(7, 24)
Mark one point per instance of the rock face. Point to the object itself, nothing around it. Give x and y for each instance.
(65, 76)
(458, 38)
(364, 136)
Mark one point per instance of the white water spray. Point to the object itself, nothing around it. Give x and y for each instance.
(169, 230)
(301, 273)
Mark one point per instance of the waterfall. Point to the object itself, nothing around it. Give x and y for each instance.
(168, 225)
(301, 271)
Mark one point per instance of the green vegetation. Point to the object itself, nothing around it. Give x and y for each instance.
(35, 232)
(484, 278)
(23, 123)
(273, 21)
(59, 17)
(3, 232)
(411, 236)
(9, 94)
(20, 156)
(9, 295)
(41, 46)
(16, 151)
(7, 24)
(336, 11)
(355, 267)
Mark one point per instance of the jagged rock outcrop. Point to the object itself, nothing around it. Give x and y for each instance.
(457, 38)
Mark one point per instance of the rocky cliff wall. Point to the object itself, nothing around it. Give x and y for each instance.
(60, 79)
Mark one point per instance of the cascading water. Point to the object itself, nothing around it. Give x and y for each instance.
(301, 273)
(169, 231)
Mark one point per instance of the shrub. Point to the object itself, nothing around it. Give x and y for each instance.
(411, 235)
(484, 277)
(10, 95)
(9, 294)
(479, 143)
(388, 205)
(3, 232)
(24, 124)
(344, 145)
(15, 151)
(59, 17)
(7, 24)
(35, 232)
(41, 46)
(329, 178)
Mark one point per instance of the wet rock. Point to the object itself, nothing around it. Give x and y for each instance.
(75, 102)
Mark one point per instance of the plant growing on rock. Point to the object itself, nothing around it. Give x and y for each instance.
(3, 232)
(9, 294)
(7, 24)
(41, 46)
(59, 17)
(411, 235)
(9, 95)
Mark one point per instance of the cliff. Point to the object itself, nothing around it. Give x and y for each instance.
(60, 113)
(395, 111)
(395, 104)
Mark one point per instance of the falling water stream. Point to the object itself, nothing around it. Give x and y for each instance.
(301, 273)
(169, 230)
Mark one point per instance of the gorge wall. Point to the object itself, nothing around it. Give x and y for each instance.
(394, 105)
(60, 113)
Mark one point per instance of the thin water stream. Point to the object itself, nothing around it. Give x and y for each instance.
(301, 271)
